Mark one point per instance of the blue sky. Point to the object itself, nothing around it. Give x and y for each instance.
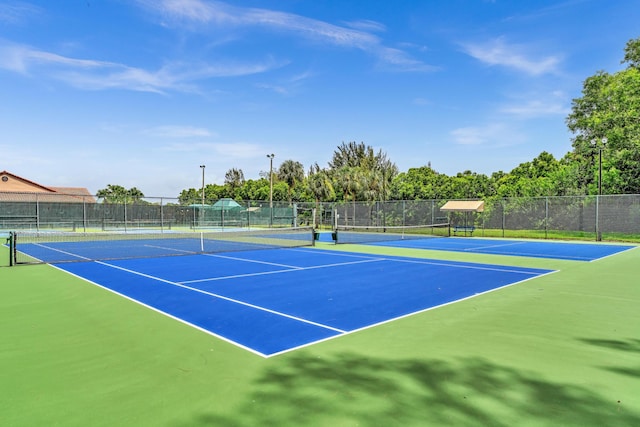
(142, 92)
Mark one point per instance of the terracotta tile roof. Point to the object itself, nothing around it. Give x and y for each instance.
(14, 188)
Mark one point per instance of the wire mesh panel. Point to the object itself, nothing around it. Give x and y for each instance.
(592, 217)
(619, 216)
(6, 249)
(524, 214)
(389, 213)
(371, 234)
(571, 215)
(541, 217)
(18, 215)
(394, 213)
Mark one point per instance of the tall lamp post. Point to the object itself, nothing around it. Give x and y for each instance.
(600, 147)
(271, 156)
(202, 206)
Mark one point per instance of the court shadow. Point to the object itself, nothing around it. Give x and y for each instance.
(632, 345)
(350, 389)
(625, 371)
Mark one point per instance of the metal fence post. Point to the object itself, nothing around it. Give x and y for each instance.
(598, 233)
(546, 216)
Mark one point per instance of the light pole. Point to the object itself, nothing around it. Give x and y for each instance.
(202, 206)
(600, 147)
(271, 156)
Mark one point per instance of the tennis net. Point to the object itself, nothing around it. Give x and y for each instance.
(372, 234)
(42, 247)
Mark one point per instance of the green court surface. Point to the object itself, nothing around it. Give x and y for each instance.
(559, 350)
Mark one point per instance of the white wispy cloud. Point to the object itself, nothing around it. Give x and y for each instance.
(536, 108)
(358, 35)
(538, 14)
(421, 101)
(177, 132)
(531, 105)
(189, 147)
(367, 25)
(498, 52)
(238, 150)
(287, 86)
(17, 12)
(98, 75)
(184, 75)
(494, 134)
(21, 59)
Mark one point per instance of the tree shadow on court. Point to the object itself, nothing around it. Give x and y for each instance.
(349, 390)
(630, 345)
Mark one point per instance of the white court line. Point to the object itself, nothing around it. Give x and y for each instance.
(314, 267)
(607, 256)
(236, 276)
(257, 307)
(172, 249)
(339, 331)
(472, 267)
(61, 251)
(157, 310)
(373, 325)
(249, 260)
(494, 246)
(542, 255)
(332, 252)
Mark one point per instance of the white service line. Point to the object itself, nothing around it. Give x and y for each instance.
(257, 307)
(458, 265)
(172, 249)
(250, 260)
(61, 251)
(373, 325)
(479, 248)
(314, 267)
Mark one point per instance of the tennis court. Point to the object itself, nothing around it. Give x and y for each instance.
(526, 248)
(272, 301)
(560, 349)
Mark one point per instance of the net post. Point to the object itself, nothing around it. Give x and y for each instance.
(313, 217)
(12, 248)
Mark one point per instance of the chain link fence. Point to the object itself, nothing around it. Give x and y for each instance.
(30, 211)
(610, 217)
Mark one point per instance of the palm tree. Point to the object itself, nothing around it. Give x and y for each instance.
(350, 155)
(350, 180)
(134, 195)
(320, 186)
(291, 172)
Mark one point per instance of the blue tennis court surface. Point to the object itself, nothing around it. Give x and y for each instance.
(273, 301)
(534, 249)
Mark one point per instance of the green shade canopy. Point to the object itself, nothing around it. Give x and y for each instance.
(226, 204)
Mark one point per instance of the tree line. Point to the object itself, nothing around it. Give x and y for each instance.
(605, 157)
